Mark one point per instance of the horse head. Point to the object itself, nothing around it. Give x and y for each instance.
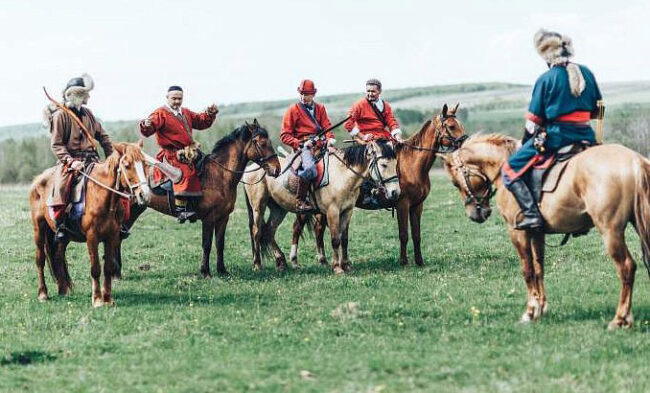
(450, 133)
(260, 148)
(131, 170)
(475, 167)
(382, 167)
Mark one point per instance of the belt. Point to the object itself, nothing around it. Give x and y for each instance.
(573, 117)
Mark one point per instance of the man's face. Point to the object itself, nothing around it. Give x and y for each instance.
(372, 92)
(307, 98)
(175, 99)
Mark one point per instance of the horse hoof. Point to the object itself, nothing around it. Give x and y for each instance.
(419, 262)
(98, 303)
(347, 267)
(526, 318)
(619, 323)
(338, 270)
(403, 262)
(295, 266)
(64, 291)
(207, 276)
(257, 268)
(281, 267)
(42, 297)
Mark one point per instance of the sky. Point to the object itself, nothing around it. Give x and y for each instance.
(239, 51)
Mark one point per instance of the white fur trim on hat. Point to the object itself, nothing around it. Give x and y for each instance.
(89, 84)
(556, 49)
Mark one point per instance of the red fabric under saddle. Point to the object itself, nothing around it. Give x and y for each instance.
(542, 162)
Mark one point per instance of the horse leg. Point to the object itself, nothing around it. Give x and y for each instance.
(110, 250)
(39, 240)
(298, 225)
(95, 268)
(220, 234)
(207, 236)
(333, 219)
(415, 214)
(275, 219)
(60, 267)
(402, 225)
(320, 223)
(136, 211)
(521, 241)
(537, 243)
(345, 226)
(256, 228)
(625, 267)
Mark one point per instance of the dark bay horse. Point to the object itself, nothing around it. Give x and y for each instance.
(414, 160)
(606, 187)
(124, 172)
(224, 168)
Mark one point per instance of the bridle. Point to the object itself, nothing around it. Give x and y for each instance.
(261, 162)
(467, 172)
(121, 173)
(378, 182)
(446, 135)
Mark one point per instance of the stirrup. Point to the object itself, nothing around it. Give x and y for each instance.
(530, 224)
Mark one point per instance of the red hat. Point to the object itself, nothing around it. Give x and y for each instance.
(306, 86)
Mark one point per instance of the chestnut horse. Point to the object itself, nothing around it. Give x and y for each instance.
(374, 161)
(607, 186)
(123, 172)
(224, 168)
(414, 160)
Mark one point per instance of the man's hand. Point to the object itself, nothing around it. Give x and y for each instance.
(77, 165)
(213, 109)
(331, 145)
(147, 122)
(397, 135)
(308, 144)
(366, 137)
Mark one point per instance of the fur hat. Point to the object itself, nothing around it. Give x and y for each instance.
(79, 85)
(556, 49)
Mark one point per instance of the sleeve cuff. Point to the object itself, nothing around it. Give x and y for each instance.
(395, 132)
(354, 131)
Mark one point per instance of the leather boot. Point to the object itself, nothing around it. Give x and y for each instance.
(60, 235)
(302, 205)
(124, 232)
(183, 213)
(532, 217)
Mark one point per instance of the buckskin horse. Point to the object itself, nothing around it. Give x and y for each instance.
(223, 170)
(374, 161)
(606, 186)
(123, 170)
(415, 158)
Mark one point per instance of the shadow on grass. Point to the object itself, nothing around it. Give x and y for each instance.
(25, 358)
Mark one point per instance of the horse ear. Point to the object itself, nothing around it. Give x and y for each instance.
(140, 143)
(119, 147)
(454, 109)
(444, 110)
(255, 123)
(443, 156)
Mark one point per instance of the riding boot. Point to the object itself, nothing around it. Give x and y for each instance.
(124, 232)
(302, 205)
(532, 217)
(60, 235)
(184, 211)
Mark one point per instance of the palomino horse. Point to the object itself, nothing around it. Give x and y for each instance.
(414, 160)
(605, 186)
(223, 170)
(374, 161)
(104, 213)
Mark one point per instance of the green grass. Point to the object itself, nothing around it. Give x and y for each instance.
(450, 326)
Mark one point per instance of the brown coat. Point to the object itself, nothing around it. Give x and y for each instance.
(69, 140)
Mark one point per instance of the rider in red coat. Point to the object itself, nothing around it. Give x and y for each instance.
(301, 123)
(172, 126)
(372, 117)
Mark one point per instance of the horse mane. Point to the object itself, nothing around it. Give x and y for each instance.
(416, 139)
(236, 134)
(499, 140)
(356, 154)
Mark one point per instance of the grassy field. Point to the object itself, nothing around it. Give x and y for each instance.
(448, 327)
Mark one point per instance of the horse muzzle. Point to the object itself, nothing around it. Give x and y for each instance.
(143, 195)
(478, 214)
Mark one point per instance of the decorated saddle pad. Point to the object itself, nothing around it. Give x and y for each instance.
(546, 175)
(290, 177)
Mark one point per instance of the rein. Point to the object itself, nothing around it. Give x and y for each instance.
(373, 168)
(261, 162)
(467, 173)
(455, 143)
(113, 190)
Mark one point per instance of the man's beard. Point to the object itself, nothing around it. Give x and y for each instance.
(76, 100)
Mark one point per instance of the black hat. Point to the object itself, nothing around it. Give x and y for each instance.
(174, 88)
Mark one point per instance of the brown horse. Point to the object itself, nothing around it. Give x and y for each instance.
(122, 170)
(224, 168)
(414, 160)
(606, 186)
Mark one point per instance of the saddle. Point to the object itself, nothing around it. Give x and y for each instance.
(289, 177)
(76, 205)
(545, 175)
(161, 184)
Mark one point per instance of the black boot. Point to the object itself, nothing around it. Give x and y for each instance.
(302, 205)
(183, 213)
(532, 217)
(124, 232)
(61, 234)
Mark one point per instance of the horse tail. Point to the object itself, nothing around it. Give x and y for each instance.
(642, 210)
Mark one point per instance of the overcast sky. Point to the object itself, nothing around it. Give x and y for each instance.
(239, 51)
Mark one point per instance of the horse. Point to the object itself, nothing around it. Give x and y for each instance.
(444, 132)
(374, 161)
(223, 170)
(123, 170)
(606, 186)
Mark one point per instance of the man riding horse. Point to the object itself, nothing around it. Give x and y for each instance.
(564, 100)
(173, 126)
(372, 117)
(75, 133)
(301, 124)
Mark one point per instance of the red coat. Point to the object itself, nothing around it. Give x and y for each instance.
(298, 126)
(171, 136)
(364, 117)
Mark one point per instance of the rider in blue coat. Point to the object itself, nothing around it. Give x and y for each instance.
(564, 100)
